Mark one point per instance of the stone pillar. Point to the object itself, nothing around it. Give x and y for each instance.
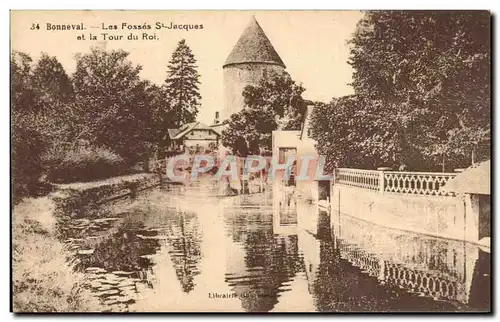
(381, 180)
(471, 217)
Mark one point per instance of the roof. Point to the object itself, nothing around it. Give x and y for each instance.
(172, 132)
(218, 127)
(474, 180)
(254, 47)
(175, 134)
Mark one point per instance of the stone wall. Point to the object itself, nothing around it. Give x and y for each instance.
(433, 215)
(77, 200)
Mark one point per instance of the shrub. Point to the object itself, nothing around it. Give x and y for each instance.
(81, 163)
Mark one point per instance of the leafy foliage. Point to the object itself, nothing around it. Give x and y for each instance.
(249, 131)
(100, 122)
(181, 85)
(21, 90)
(111, 99)
(422, 84)
(336, 126)
(27, 148)
(275, 103)
(27, 139)
(51, 82)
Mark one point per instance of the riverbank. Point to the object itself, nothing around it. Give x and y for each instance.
(44, 278)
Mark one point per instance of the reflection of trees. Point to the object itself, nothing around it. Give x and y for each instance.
(122, 250)
(184, 239)
(270, 261)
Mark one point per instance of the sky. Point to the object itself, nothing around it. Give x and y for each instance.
(312, 44)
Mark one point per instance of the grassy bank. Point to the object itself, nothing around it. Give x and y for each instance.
(43, 278)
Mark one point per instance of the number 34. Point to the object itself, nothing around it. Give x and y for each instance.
(35, 26)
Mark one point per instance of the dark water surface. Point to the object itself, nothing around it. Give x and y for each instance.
(184, 249)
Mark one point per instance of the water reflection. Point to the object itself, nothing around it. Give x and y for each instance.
(261, 264)
(184, 239)
(124, 249)
(423, 267)
(185, 249)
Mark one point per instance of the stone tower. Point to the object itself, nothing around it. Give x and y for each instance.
(252, 56)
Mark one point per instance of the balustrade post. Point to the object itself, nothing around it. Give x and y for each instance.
(381, 183)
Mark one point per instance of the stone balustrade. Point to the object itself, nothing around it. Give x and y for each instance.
(415, 183)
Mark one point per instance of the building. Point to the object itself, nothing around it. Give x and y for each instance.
(193, 137)
(307, 147)
(251, 58)
(474, 184)
(300, 144)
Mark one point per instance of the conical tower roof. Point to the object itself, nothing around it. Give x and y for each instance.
(254, 47)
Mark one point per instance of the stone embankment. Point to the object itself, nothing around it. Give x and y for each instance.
(79, 200)
(44, 275)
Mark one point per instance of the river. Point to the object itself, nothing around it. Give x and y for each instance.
(180, 248)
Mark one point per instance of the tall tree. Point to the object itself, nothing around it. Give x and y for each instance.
(275, 103)
(22, 93)
(422, 82)
(182, 84)
(55, 100)
(162, 117)
(340, 129)
(51, 81)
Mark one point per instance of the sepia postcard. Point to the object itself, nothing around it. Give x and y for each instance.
(250, 161)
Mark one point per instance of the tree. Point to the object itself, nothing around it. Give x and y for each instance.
(52, 82)
(339, 129)
(22, 93)
(111, 100)
(275, 103)
(249, 131)
(27, 140)
(162, 117)
(422, 82)
(181, 85)
(42, 96)
(27, 149)
(278, 94)
(55, 101)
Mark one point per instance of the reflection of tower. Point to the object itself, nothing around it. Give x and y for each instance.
(259, 263)
(251, 58)
(309, 243)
